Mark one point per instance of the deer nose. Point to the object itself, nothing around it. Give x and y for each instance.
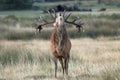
(61, 19)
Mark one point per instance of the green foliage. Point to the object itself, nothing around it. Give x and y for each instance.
(15, 4)
(12, 57)
(10, 20)
(113, 16)
(9, 57)
(13, 17)
(111, 2)
(95, 26)
(27, 57)
(16, 34)
(97, 33)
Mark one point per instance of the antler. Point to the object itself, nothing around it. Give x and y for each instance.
(39, 28)
(78, 25)
(55, 15)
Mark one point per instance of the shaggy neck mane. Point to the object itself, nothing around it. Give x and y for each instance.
(60, 36)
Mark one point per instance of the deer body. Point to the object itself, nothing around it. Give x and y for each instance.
(59, 48)
(60, 44)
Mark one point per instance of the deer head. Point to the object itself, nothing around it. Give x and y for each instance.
(60, 19)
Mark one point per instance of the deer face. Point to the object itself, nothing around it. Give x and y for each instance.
(59, 20)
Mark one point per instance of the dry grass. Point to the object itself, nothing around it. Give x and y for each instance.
(90, 60)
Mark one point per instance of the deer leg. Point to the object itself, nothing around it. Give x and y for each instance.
(61, 62)
(55, 61)
(81, 29)
(66, 65)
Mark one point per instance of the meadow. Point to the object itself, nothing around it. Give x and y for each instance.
(95, 53)
(31, 60)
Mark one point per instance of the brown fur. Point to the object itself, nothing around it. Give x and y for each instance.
(60, 46)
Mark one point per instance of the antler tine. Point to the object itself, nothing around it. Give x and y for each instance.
(68, 16)
(51, 14)
(54, 13)
(74, 20)
(64, 12)
(42, 19)
(78, 25)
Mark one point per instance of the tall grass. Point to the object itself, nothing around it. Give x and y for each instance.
(20, 53)
(16, 34)
(90, 59)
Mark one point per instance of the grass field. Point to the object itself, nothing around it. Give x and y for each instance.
(30, 60)
(95, 53)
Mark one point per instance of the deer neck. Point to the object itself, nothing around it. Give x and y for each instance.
(60, 36)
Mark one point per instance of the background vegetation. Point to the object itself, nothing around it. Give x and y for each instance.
(43, 4)
(15, 28)
(15, 4)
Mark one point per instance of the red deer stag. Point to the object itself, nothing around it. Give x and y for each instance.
(60, 44)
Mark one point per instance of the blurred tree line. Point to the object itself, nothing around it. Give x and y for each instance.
(27, 4)
(15, 4)
(110, 2)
